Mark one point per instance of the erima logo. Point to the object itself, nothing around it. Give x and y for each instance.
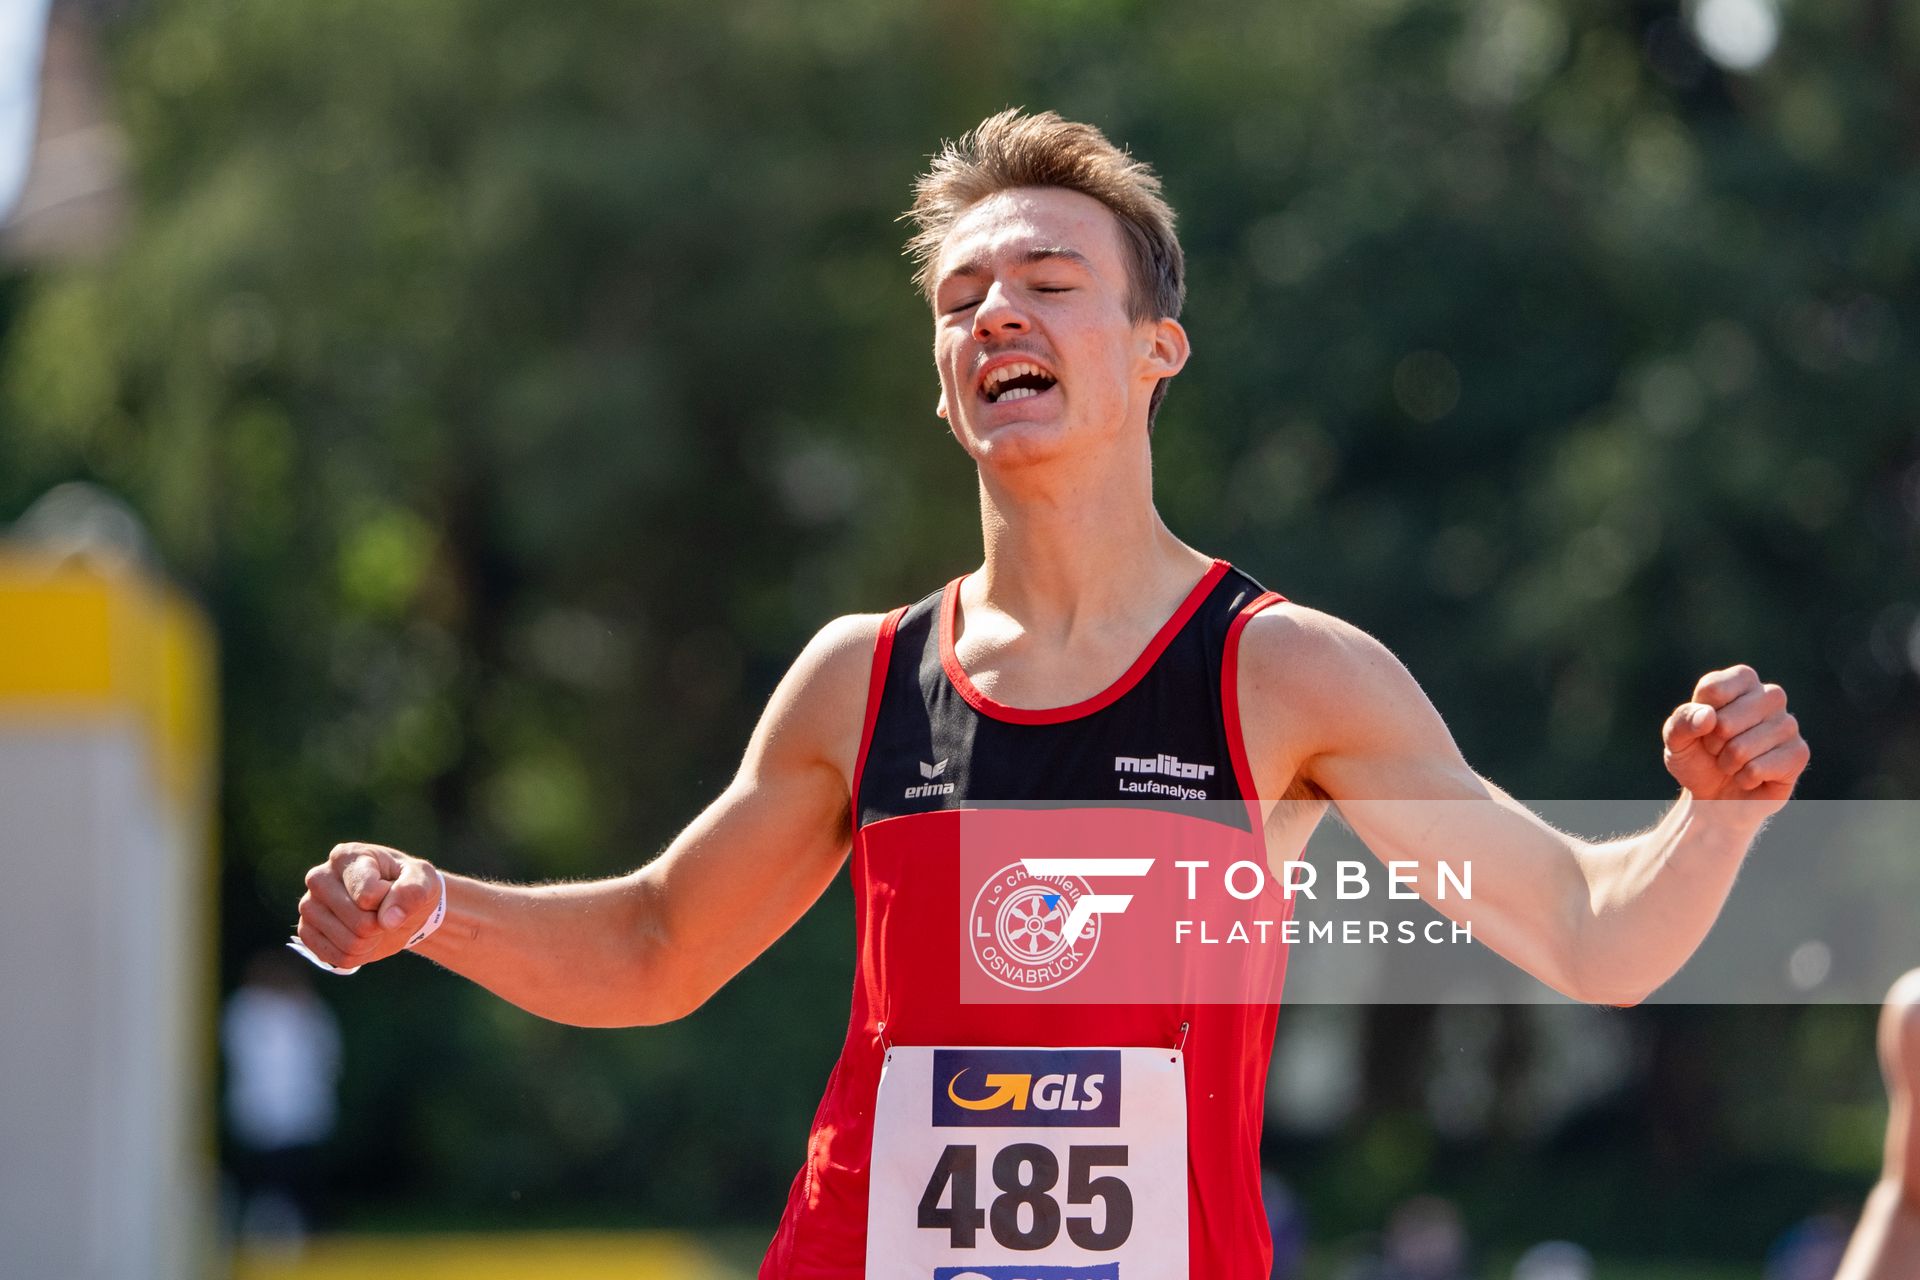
(930, 787)
(1088, 905)
(1165, 765)
(1026, 1087)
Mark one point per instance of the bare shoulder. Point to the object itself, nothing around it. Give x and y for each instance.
(817, 712)
(1290, 649)
(842, 651)
(1298, 667)
(1314, 689)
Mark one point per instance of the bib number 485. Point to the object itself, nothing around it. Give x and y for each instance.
(1026, 1174)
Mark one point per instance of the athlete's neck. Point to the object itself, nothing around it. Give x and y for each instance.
(1068, 546)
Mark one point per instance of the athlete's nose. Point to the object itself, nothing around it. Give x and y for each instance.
(997, 314)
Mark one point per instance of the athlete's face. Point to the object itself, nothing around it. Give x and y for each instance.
(1032, 338)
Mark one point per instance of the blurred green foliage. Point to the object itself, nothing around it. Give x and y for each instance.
(520, 386)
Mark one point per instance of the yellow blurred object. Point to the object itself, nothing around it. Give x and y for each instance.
(574, 1255)
(107, 767)
(83, 640)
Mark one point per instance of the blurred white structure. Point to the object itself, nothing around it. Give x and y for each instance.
(282, 1047)
(22, 25)
(107, 925)
(62, 157)
(1554, 1260)
(1740, 35)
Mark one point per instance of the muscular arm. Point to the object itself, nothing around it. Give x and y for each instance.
(1330, 713)
(1886, 1244)
(654, 944)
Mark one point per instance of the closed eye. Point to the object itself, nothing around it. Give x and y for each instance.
(964, 306)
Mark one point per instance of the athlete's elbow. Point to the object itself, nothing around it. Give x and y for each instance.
(1604, 961)
(663, 1004)
(1607, 980)
(1614, 985)
(1619, 997)
(654, 990)
(626, 1003)
(662, 975)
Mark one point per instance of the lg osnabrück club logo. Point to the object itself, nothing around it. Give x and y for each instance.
(1036, 922)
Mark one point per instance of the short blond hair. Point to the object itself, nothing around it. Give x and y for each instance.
(1014, 149)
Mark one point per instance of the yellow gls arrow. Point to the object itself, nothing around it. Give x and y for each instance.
(1006, 1088)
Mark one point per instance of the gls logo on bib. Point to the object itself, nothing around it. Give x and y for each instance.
(1002, 1088)
(1092, 1271)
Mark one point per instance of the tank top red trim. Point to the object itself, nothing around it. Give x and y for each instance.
(1230, 701)
(949, 618)
(876, 685)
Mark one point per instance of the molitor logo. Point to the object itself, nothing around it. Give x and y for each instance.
(1003, 1088)
(1028, 1271)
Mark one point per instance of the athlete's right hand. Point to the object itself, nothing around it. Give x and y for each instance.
(364, 902)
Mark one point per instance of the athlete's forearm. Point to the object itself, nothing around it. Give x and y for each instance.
(1886, 1243)
(586, 954)
(1652, 897)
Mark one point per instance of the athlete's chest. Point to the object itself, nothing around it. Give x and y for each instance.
(951, 760)
(1160, 732)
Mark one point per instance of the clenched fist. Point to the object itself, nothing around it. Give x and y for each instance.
(1735, 740)
(366, 902)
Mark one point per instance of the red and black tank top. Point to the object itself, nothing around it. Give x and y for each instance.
(932, 746)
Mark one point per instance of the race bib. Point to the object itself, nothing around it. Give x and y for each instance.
(1029, 1164)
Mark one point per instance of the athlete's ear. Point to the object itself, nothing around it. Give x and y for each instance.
(1167, 348)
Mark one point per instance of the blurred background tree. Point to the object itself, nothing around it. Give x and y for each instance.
(520, 387)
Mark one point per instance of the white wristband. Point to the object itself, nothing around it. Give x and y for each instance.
(426, 931)
(294, 944)
(434, 920)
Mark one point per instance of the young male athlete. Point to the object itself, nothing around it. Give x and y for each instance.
(1886, 1243)
(1091, 647)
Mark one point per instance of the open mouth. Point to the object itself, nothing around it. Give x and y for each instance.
(1017, 381)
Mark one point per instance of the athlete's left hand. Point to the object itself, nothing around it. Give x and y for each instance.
(1736, 740)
